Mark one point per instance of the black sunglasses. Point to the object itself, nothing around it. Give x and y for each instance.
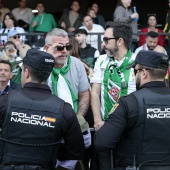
(61, 48)
(140, 69)
(106, 39)
(16, 36)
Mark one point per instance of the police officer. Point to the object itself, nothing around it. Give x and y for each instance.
(36, 121)
(139, 124)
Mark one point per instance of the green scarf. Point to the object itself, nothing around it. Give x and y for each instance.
(62, 71)
(116, 79)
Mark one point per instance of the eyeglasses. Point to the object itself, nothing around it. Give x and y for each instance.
(16, 36)
(106, 39)
(139, 70)
(149, 15)
(61, 48)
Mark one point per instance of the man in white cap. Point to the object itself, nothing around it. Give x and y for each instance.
(14, 36)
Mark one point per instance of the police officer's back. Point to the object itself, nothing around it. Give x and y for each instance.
(139, 126)
(36, 121)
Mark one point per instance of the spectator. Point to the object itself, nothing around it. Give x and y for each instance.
(22, 48)
(40, 119)
(139, 126)
(3, 11)
(68, 81)
(99, 18)
(123, 13)
(71, 19)
(5, 77)
(88, 53)
(43, 22)
(111, 79)
(9, 23)
(23, 14)
(151, 42)
(10, 53)
(76, 52)
(152, 27)
(91, 12)
(91, 28)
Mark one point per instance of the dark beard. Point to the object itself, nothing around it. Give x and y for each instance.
(113, 51)
(137, 84)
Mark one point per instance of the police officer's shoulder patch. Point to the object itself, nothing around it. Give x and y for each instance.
(114, 108)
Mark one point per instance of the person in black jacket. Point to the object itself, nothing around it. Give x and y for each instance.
(88, 53)
(139, 124)
(35, 121)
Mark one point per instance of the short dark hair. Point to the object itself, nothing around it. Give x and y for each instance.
(155, 73)
(74, 1)
(152, 34)
(9, 43)
(40, 2)
(36, 75)
(80, 31)
(86, 16)
(6, 62)
(121, 30)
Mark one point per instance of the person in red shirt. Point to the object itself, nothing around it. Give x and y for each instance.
(152, 27)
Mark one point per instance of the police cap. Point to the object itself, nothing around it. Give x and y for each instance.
(151, 59)
(39, 60)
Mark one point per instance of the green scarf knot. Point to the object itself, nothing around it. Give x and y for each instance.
(55, 76)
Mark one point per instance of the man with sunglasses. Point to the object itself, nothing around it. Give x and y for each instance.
(14, 36)
(111, 78)
(68, 80)
(139, 126)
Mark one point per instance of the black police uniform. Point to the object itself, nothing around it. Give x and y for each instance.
(145, 137)
(34, 124)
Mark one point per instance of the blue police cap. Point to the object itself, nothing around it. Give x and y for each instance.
(39, 60)
(151, 59)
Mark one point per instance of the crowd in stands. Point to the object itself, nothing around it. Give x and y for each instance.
(84, 66)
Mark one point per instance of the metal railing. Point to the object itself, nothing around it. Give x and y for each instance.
(36, 36)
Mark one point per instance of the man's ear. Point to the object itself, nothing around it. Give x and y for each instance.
(46, 47)
(26, 73)
(145, 74)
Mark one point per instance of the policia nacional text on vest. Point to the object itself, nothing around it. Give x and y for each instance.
(152, 146)
(32, 130)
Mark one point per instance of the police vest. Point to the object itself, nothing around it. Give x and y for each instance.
(32, 129)
(149, 138)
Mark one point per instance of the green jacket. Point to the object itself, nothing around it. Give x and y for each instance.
(45, 23)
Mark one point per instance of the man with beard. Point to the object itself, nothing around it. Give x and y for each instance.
(140, 123)
(111, 78)
(151, 42)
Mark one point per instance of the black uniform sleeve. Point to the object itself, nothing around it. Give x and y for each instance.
(3, 103)
(117, 124)
(73, 146)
